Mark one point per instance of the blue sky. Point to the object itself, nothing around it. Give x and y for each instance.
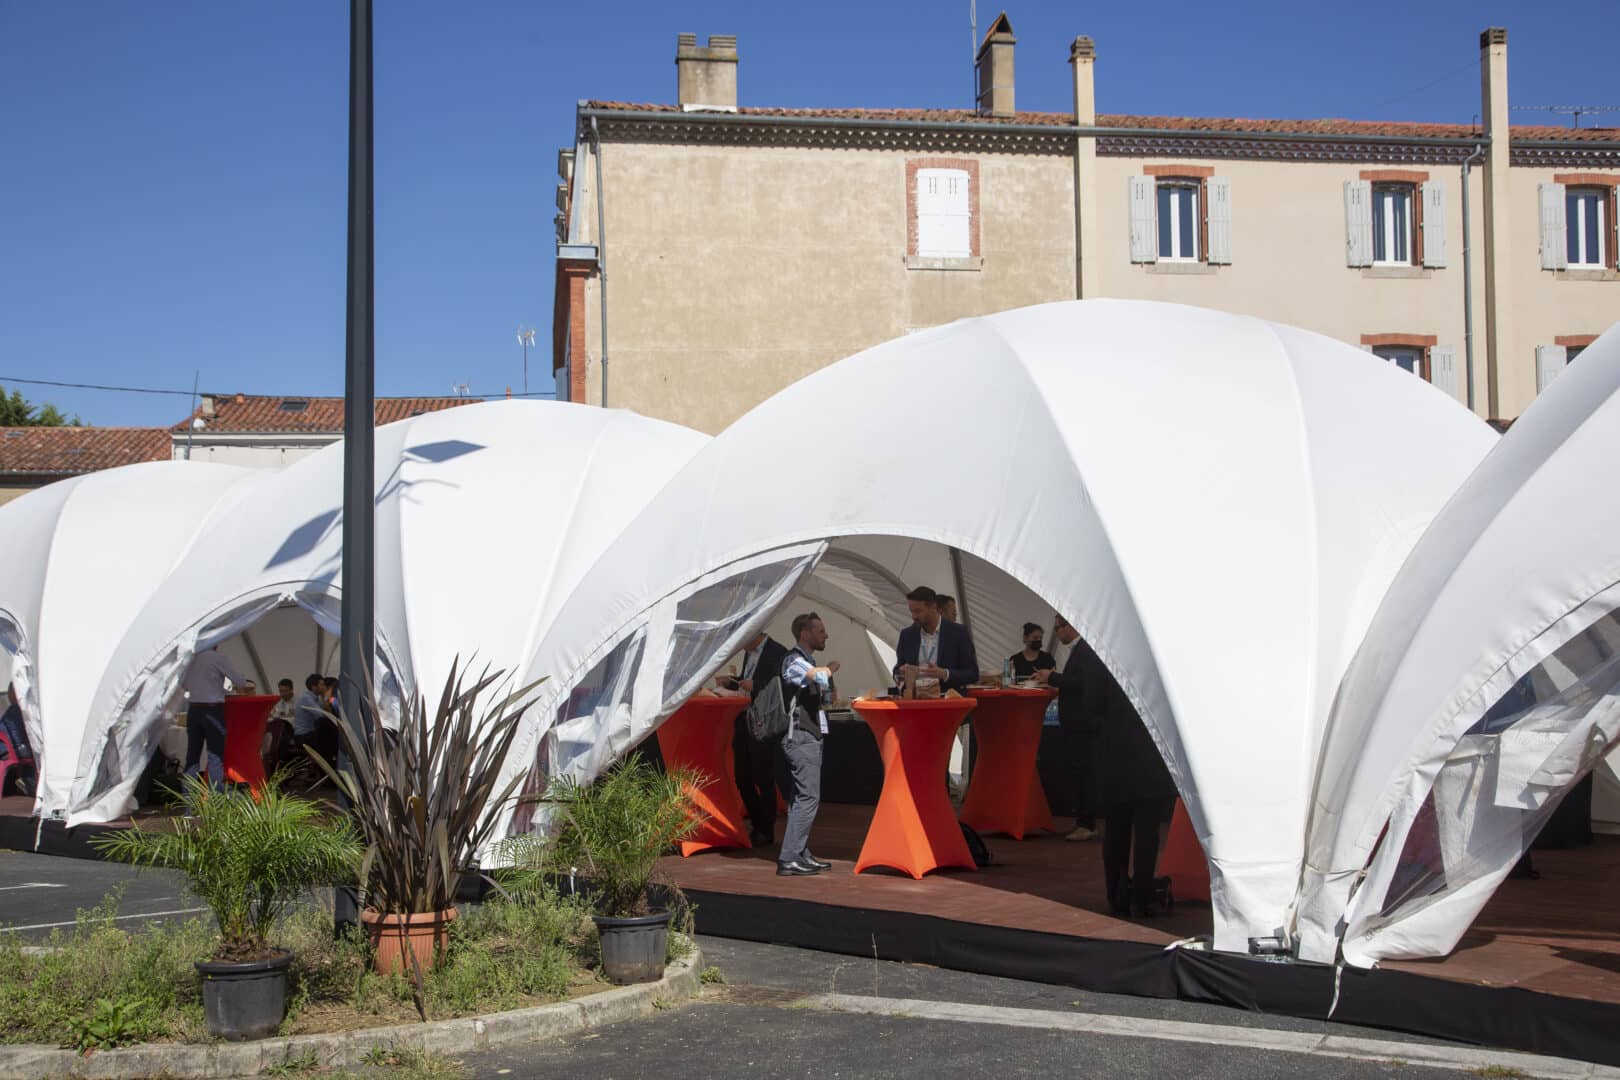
(173, 191)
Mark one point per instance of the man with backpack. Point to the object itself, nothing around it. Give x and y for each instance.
(756, 756)
(807, 689)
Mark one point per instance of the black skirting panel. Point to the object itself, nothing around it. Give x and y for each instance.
(1508, 1018)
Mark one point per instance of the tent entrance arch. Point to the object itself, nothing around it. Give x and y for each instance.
(284, 626)
(1544, 721)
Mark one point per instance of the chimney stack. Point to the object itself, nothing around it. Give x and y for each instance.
(995, 68)
(707, 77)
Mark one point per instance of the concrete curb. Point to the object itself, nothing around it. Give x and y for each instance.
(1459, 1058)
(349, 1048)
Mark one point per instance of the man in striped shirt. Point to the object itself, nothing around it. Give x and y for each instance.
(811, 689)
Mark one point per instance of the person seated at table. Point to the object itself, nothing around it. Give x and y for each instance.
(1032, 658)
(278, 728)
(204, 683)
(756, 759)
(309, 722)
(809, 686)
(933, 647)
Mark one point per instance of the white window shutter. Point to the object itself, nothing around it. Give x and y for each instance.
(1434, 223)
(1443, 370)
(1358, 223)
(1550, 359)
(1554, 244)
(944, 227)
(1144, 220)
(1220, 219)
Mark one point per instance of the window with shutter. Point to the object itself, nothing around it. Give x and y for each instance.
(1432, 199)
(1144, 245)
(1358, 231)
(1219, 189)
(1586, 228)
(1554, 243)
(943, 218)
(1550, 360)
(1392, 225)
(1178, 220)
(1443, 371)
(1411, 358)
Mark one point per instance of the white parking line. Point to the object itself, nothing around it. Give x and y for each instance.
(33, 885)
(1463, 1059)
(116, 918)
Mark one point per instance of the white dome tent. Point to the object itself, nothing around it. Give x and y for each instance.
(486, 515)
(82, 557)
(1486, 687)
(1207, 497)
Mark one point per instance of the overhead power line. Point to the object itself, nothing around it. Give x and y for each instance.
(187, 393)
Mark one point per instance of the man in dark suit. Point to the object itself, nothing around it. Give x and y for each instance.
(1131, 784)
(759, 763)
(931, 646)
(1078, 750)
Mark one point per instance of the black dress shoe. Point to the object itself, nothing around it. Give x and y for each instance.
(795, 869)
(811, 860)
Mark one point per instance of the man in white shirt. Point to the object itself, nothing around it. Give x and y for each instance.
(205, 682)
(810, 686)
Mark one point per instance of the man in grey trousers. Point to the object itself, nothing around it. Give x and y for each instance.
(810, 687)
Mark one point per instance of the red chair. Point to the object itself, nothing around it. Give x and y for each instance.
(9, 760)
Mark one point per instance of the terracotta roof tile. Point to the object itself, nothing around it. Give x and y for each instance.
(67, 451)
(252, 413)
(1163, 123)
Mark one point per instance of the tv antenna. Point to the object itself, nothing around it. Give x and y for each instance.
(1574, 111)
(526, 339)
(461, 390)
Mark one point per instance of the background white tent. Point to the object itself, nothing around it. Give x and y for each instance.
(1513, 588)
(1216, 502)
(82, 557)
(486, 515)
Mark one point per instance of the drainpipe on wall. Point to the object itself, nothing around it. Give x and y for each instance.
(601, 255)
(1468, 276)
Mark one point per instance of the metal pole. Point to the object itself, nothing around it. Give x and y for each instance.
(601, 255)
(1468, 281)
(191, 425)
(359, 579)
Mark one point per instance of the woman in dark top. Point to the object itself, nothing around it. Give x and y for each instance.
(1032, 658)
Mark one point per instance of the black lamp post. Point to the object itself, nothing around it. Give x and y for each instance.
(359, 633)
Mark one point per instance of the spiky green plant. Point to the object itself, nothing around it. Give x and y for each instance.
(247, 858)
(614, 830)
(424, 796)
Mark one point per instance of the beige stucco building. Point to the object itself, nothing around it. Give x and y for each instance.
(741, 248)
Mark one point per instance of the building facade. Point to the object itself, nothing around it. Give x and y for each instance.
(267, 432)
(721, 252)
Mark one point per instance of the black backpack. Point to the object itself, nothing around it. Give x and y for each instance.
(770, 715)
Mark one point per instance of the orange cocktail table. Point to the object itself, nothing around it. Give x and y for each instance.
(914, 828)
(245, 719)
(1004, 794)
(698, 737)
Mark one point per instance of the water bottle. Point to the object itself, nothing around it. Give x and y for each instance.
(1007, 672)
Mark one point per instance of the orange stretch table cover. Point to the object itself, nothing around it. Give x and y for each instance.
(245, 718)
(914, 828)
(698, 737)
(1182, 859)
(1004, 794)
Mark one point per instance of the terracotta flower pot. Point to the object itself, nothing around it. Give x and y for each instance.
(425, 935)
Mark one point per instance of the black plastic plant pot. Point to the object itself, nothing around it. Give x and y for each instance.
(245, 1000)
(633, 948)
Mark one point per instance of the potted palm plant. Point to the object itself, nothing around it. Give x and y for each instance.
(614, 831)
(248, 857)
(423, 799)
